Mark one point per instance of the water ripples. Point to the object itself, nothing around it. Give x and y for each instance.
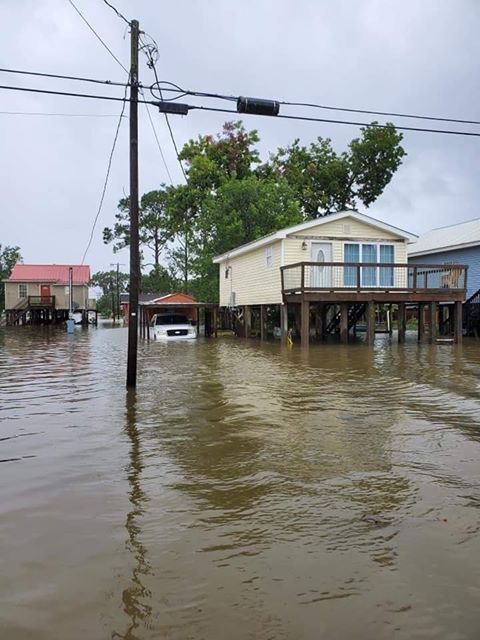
(245, 482)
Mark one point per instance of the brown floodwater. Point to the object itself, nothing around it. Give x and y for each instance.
(248, 491)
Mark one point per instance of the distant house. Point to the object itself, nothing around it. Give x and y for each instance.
(323, 275)
(457, 244)
(39, 293)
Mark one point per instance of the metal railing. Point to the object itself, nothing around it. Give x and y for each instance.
(366, 276)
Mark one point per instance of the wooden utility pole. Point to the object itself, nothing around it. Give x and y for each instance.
(134, 241)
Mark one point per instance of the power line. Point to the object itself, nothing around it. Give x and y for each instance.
(347, 122)
(174, 88)
(122, 17)
(158, 141)
(66, 115)
(96, 34)
(152, 51)
(231, 111)
(70, 94)
(109, 166)
(62, 77)
(218, 96)
(379, 113)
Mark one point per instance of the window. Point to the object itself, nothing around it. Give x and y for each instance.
(370, 276)
(22, 290)
(269, 257)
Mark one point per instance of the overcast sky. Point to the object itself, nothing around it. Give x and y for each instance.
(402, 55)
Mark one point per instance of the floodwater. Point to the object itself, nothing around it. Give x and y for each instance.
(248, 492)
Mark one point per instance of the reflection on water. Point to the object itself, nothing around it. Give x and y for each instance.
(245, 491)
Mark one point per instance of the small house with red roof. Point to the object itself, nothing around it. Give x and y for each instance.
(41, 292)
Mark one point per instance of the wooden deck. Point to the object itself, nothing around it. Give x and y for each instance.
(382, 282)
(348, 286)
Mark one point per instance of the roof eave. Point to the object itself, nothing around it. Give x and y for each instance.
(425, 252)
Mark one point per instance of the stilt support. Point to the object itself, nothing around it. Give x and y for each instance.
(401, 322)
(370, 322)
(305, 323)
(433, 321)
(284, 321)
(263, 321)
(458, 333)
(344, 323)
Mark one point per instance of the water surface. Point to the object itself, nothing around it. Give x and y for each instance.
(247, 492)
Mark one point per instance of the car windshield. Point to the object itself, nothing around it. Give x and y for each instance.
(172, 318)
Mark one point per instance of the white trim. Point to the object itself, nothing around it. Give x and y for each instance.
(282, 253)
(426, 252)
(284, 233)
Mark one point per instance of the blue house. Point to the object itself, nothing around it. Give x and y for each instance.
(455, 244)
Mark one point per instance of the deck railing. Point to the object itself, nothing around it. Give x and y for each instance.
(367, 276)
(41, 301)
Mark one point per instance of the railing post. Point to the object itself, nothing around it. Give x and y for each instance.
(282, 279)
(414, 284)
(465, 271)
(359, 272)
(425, 280)
(302, 277)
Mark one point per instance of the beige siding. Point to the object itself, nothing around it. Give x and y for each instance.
(80, 294)
(254, 283)
(250, 279)
(337, 233)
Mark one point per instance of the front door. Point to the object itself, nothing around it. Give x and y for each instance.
(45, 292)
(321, 276)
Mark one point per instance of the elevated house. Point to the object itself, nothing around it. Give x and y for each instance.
(40, 293)
(322, 276)
(455, 244)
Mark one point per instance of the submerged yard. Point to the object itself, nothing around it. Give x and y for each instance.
(249, 491)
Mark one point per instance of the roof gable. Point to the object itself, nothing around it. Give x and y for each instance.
(305, 226)
(51, 273)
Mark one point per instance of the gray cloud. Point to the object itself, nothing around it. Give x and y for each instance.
(400, 56)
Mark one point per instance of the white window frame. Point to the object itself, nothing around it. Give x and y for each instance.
(22, 284)
(269, 256)
(377, 269)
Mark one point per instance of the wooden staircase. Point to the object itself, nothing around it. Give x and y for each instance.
(355, 312)
(19, 312)
(471, 315)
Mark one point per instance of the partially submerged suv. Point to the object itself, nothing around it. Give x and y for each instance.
(173, 326)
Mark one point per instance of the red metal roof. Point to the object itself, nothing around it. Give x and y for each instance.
(55, 273)
(172, 298)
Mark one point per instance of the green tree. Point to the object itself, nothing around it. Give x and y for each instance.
(211, 160)
(9, 256)
(159, 280)
(152, 224)
(324, 181)
(107, 281)
(108, 303)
